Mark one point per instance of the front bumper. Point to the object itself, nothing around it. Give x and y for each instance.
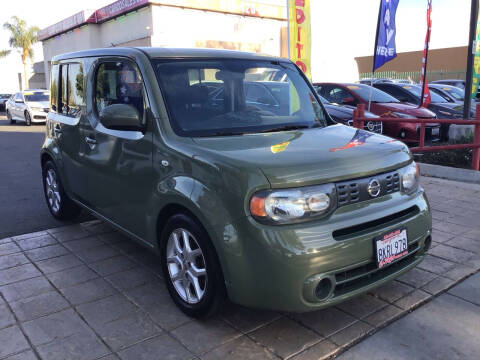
(38, 116)
(279, 267)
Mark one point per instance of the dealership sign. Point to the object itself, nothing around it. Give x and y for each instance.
(385, 49)
(62, 26)
(299, 34)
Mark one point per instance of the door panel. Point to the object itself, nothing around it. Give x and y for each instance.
(117, 164)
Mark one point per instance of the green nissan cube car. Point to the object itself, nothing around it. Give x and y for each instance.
(227, 165)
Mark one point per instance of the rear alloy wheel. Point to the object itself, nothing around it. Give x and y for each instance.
(9, 117)
(28, 119)
(191, 267)
(59, 204)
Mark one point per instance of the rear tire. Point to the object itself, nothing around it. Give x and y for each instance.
(9, 117)
(59, 204)
(28, 119)
(192, 272)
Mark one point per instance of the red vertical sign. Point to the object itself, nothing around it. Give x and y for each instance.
(426, 97)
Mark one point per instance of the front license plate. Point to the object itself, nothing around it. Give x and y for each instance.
(391, 246)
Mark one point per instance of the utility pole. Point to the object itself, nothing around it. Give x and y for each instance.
(470, 59)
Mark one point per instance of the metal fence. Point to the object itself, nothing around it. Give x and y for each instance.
(415, 76)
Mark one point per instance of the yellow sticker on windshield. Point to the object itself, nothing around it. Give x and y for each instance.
(446, 89)
(279, 147)
(353, 87)
(407, 87)
(28, 93)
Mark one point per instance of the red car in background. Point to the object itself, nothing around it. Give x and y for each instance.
(382, 104)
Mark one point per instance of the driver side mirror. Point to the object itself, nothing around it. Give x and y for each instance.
(121, 117)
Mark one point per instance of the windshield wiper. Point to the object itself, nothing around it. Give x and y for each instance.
(287, 128)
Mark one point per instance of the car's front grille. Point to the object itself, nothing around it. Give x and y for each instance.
(354, 191)
(356, 278)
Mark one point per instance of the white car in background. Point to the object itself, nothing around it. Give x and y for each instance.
(30, 106)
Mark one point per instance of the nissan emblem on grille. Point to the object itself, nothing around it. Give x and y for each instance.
(374, 188)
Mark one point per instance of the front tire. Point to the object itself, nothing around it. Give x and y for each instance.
(28, 119)
(191, 268)
(59, 204)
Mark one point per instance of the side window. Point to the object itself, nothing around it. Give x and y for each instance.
(258, 94)
(54, 88)
(337, 95)
(119, 83)
(75, 89)
(18, 96)
(63, 108)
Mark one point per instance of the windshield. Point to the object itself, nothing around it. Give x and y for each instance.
(456, 93)
(370, 93)
(231, 96)
(36, 96)
(417, 91)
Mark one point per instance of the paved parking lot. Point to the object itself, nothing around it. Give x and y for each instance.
(86, 292)
(22, 205)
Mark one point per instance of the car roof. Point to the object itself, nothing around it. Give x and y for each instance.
(157, 52)
(449, 80)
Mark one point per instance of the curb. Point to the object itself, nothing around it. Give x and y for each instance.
(450, 173)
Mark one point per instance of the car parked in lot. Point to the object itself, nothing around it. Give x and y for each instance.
(3, 100)
(450, 93)
(344, 115)
(30, 106)
(411, 94)
(278, 210)
(459, 83)
(381, 104)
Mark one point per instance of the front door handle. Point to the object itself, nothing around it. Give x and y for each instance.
(91, 142)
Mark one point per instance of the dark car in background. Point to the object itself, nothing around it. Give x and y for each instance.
(450, 93)
(344, 115)
(3, 100)
(412, 93)
(452, 82)
(382, 104)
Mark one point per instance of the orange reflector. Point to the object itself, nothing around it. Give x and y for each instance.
(257, 206)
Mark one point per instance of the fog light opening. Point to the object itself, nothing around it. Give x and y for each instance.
(323, 289)
(428, 243)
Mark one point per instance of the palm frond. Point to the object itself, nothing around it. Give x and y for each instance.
(4, 53)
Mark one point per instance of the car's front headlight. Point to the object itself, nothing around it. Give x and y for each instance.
(410, 178)
(293, 205)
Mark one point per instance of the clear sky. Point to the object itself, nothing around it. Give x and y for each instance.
(341, 30)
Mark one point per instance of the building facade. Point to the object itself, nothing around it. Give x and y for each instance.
(442, 64)
(255, 26)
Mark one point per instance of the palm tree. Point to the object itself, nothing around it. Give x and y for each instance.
(22, 37)
(4, 53)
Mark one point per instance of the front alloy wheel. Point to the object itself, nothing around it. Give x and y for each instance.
(191, 268)
(186, 266)
(28, 119)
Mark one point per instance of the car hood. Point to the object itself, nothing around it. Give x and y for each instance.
(313, 156)
(405, 108)
(39, 104)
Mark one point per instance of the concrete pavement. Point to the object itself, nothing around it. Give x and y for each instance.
(86, 292)
(446, 328)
